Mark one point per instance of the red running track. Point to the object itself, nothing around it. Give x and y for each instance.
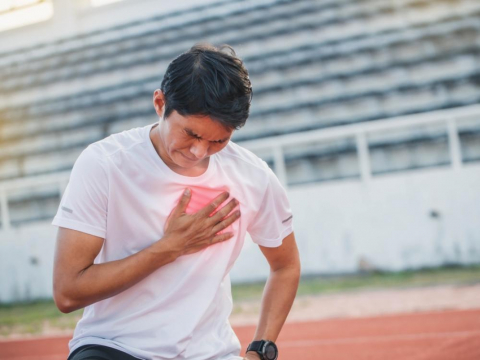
(448, 335)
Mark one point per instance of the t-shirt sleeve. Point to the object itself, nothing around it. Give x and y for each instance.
(274, 220)
(83, 206)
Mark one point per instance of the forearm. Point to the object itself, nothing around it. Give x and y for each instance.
(101, 281)
(277, 300)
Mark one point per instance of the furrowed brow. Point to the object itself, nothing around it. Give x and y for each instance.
(192, 133)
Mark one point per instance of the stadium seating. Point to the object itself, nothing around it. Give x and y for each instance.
(313, 64)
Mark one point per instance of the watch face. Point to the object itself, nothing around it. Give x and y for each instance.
(270, 351)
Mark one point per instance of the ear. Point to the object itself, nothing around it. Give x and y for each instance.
(159, 102)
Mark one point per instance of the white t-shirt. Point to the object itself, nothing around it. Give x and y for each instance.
(121, 190)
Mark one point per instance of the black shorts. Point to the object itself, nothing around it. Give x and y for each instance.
(99, 352)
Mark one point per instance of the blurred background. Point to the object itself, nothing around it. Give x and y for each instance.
(365, 109)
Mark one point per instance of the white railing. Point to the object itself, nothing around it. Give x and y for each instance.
(275, 146)
(449, 118)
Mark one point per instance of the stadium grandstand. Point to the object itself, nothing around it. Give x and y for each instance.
(343, 89)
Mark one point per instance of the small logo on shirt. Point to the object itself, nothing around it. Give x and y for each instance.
(284, 221)
(67, 209)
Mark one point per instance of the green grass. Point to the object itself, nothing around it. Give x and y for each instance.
(376, 280)
(35, 317)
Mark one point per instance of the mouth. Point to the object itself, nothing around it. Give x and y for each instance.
(188, 157)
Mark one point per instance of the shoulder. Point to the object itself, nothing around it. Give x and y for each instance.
(116, 142)
(248, 170)
(243, 157)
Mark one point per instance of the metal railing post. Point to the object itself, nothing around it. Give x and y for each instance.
(454, 144)
(363, 156)
(5, 211)
(279, 162)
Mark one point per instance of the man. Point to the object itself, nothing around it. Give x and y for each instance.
(150, 226)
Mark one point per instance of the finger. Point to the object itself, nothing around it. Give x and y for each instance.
(222, 237)
(219, 215)
(183, 203)
(216, 239)
(167, 223)
(208, 209)
(226, 222)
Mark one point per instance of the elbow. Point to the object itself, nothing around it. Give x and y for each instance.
(64, 309)
(297, 266)
(63, 302)
(292, 270)
(63, 305)
(297, 273)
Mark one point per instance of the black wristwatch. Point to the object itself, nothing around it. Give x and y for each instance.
(265, 348)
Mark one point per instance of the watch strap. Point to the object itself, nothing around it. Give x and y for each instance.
(256, 345)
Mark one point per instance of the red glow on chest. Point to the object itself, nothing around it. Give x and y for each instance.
(202, 197)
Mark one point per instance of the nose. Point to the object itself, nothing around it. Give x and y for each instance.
(200, 149)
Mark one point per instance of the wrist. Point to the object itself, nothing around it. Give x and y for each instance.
(164, 252)
(252, 355)
(263, 349)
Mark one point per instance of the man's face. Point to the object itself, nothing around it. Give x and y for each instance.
(187, 141)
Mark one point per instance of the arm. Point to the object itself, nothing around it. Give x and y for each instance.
(280, 289)
(78, 282)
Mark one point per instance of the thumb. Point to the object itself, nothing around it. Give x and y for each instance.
(183, 203)
(180, 208)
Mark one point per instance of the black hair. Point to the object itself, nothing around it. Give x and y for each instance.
(210, 81)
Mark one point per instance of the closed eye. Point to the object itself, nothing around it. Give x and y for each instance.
(196, 137)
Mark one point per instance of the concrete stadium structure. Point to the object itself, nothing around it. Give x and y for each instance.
(365, 109)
